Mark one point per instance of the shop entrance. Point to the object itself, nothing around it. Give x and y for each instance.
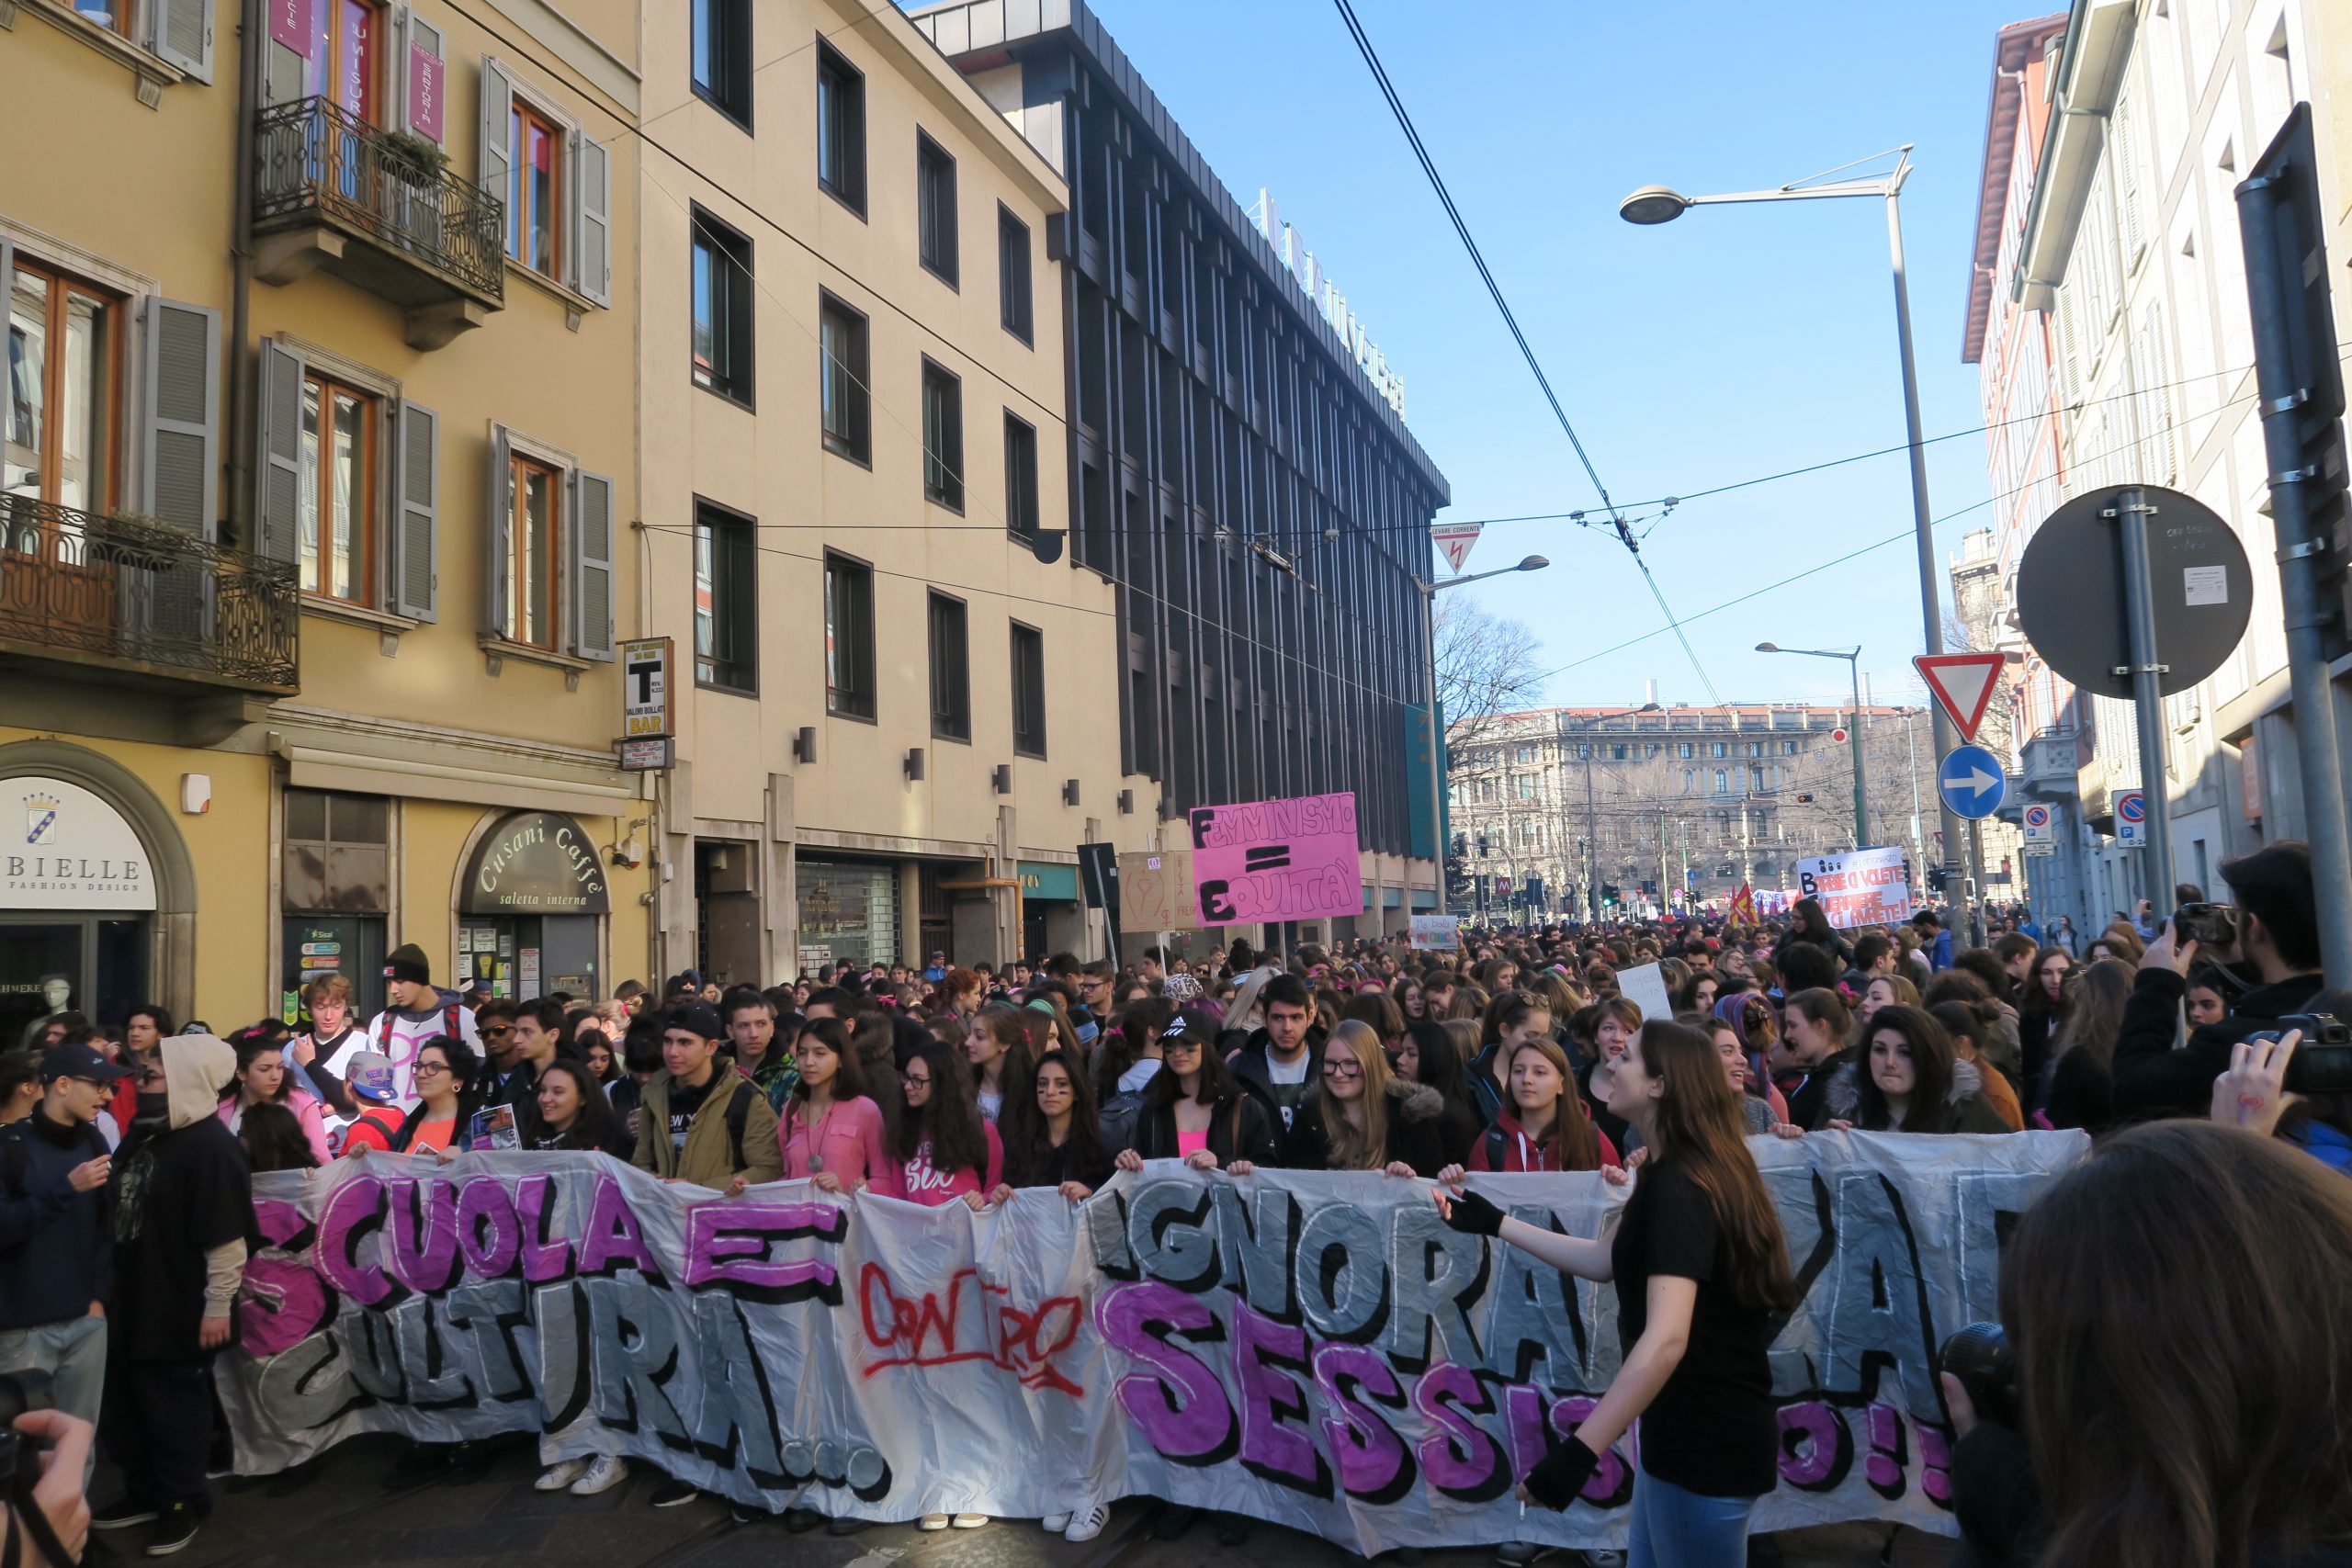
(531, 919)
(522, 956)
(91, 965)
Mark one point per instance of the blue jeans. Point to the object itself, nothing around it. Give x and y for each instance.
(74, 1353)
(1678, 1528)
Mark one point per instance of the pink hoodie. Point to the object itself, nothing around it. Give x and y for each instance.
(307, 1110)
(932, 1188)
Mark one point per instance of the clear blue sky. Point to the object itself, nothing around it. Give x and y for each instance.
(1733, 342)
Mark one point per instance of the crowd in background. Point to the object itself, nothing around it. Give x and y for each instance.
(128, 1145)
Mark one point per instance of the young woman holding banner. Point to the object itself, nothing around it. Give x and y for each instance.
(1701, 1266)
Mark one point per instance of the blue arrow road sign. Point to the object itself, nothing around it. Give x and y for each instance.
(1971, 782)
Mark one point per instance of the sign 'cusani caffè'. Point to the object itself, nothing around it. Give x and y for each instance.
(67, 848)
(537, 863)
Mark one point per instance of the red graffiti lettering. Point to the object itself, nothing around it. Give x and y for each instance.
(973, 1322)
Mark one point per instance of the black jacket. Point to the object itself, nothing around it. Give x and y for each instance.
(1485, 1092)
(2151, 1078)
(1240, 1128)
(1052, 1165)
(1414, 1111)
(1248, 1065)
(56, 1244)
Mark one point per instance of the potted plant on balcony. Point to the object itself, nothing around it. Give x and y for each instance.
(415, 158)
(414, 164)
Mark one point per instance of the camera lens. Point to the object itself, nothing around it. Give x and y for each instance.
(1980, 1357)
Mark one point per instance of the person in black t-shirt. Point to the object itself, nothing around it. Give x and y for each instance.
(1701, 1266)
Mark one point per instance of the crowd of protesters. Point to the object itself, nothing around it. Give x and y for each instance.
(125, 1215)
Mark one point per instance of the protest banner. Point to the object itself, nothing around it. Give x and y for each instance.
(1315, 1349)
(1276, 860)
(1644, 986)
(1860, 887)
(1435, 933)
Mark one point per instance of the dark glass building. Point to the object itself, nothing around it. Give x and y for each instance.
(1262, 508)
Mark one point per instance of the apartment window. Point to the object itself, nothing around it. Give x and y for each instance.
(1687, 750)
(534, 605)
(723, 350)
(1722, 781)
(848, 405)
(725, 599)
(935, 208)
(1014, 301)
(1720, 748)
(1617, 752)
(1019, 476)
(112, 15)
(951, 675)
(849, 638)
(335, 510)
(1526, 755)
(1788, 748)
(534, 192)
(840, 129)
(1028, 691)
(345, 42)
(943, 437)
(722, 51)
(1525, 784)
(58, 414)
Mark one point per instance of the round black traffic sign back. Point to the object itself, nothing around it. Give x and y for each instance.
(2071, 584)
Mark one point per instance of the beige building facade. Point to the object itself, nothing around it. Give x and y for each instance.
(896, 703)
(320, 450)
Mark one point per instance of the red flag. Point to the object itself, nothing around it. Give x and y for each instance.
(1743, 905)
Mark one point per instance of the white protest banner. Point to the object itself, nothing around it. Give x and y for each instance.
(1860, 887)
(1644, 986)
(1315, 1349)
(1435, 933)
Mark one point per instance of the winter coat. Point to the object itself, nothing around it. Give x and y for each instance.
(1505, 1146)
(1965, 1108)
(1414, 1111)
(1248, 1067)
(1239, 1128)
(2150, 1078)
(709, 1158)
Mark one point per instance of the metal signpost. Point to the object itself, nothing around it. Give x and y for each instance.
(2184, 593)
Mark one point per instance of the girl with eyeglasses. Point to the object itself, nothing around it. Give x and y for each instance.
(945, 1149)
(1362, 1116)
(442, 1119)
(1195, 1111)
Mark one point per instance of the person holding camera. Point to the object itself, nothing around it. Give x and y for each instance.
(2270, 939)
(2174, 1310)
(44, 1517)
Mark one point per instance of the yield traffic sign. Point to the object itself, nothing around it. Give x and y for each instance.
(1971, 782)
(1962, 684)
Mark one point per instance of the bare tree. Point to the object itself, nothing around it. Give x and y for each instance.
(1485, 666)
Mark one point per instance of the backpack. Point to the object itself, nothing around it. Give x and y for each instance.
(738, 1111)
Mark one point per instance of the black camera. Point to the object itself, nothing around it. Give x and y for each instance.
(20, 1391)
(2322, 1061)
(1979, 1357)
(2208, 925)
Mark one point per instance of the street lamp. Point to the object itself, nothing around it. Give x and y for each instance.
(1652, 205)
(1591, 812)
(1853, 732)
(1437, 740)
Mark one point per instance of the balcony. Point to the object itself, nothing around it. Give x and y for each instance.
(332, 192)
(146, 605)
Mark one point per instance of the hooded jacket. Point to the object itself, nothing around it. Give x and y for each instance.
(184, 1210)
(56, 1250)
(1965, 1108)
(1414, 1111)
(709, 1158)
(1250, 1069)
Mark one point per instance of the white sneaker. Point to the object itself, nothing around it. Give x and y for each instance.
(1087, 1522)
(608, 1472)
(931, 1522)
(1053, 1524)
(561, 1475)
(970, 1521)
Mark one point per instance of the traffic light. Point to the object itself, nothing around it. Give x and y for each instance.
(1482, 843)
(1608, 895)
(1804, 797)
(1935, 879)
(1461, 845)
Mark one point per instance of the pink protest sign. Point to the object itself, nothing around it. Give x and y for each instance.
(1276, 860)
(424, 92)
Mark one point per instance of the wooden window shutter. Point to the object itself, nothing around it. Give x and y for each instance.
(180, 32)
(416, 511)
(180, 438)
(278, 471)
(591, 252)
(497, 133)
(498, 535)
(590, 543)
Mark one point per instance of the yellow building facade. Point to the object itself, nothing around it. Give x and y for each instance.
(320, 458)
(896, 699)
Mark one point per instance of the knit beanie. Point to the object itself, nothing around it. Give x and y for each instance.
(407, 963)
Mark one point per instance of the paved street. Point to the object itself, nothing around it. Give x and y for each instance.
(348, 1519)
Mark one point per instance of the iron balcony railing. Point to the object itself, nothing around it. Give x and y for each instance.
(315, 157)
(90, 587)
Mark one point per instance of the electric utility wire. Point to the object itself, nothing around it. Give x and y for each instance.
(1429, 168)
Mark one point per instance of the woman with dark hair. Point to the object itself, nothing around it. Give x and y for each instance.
(1513, 1019)
(1809, 924)
(1432, 1055)
(2041, 1009)
(573, 1113)
(1698, 993)
(1908, 1081)
(2080, 1087)
(944, 1148)
(1378, 1009)
(833, 1134)
(263, 1080)
(1969, 1023)
(2171, 1247)
(275, 1139)
(1700, 1269)
(1362, 1117)
(1817, 1029)
(442, 1119)
(1064, 1146)
(1409, 1000)
(1197, 1111)
(997, 1049)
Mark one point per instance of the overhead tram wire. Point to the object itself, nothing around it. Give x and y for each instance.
(1527, 351)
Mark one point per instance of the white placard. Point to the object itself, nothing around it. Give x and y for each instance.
(1861, 888)
(2205, 584)
(1644, 986)
(1436, 933)
(66, 849)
